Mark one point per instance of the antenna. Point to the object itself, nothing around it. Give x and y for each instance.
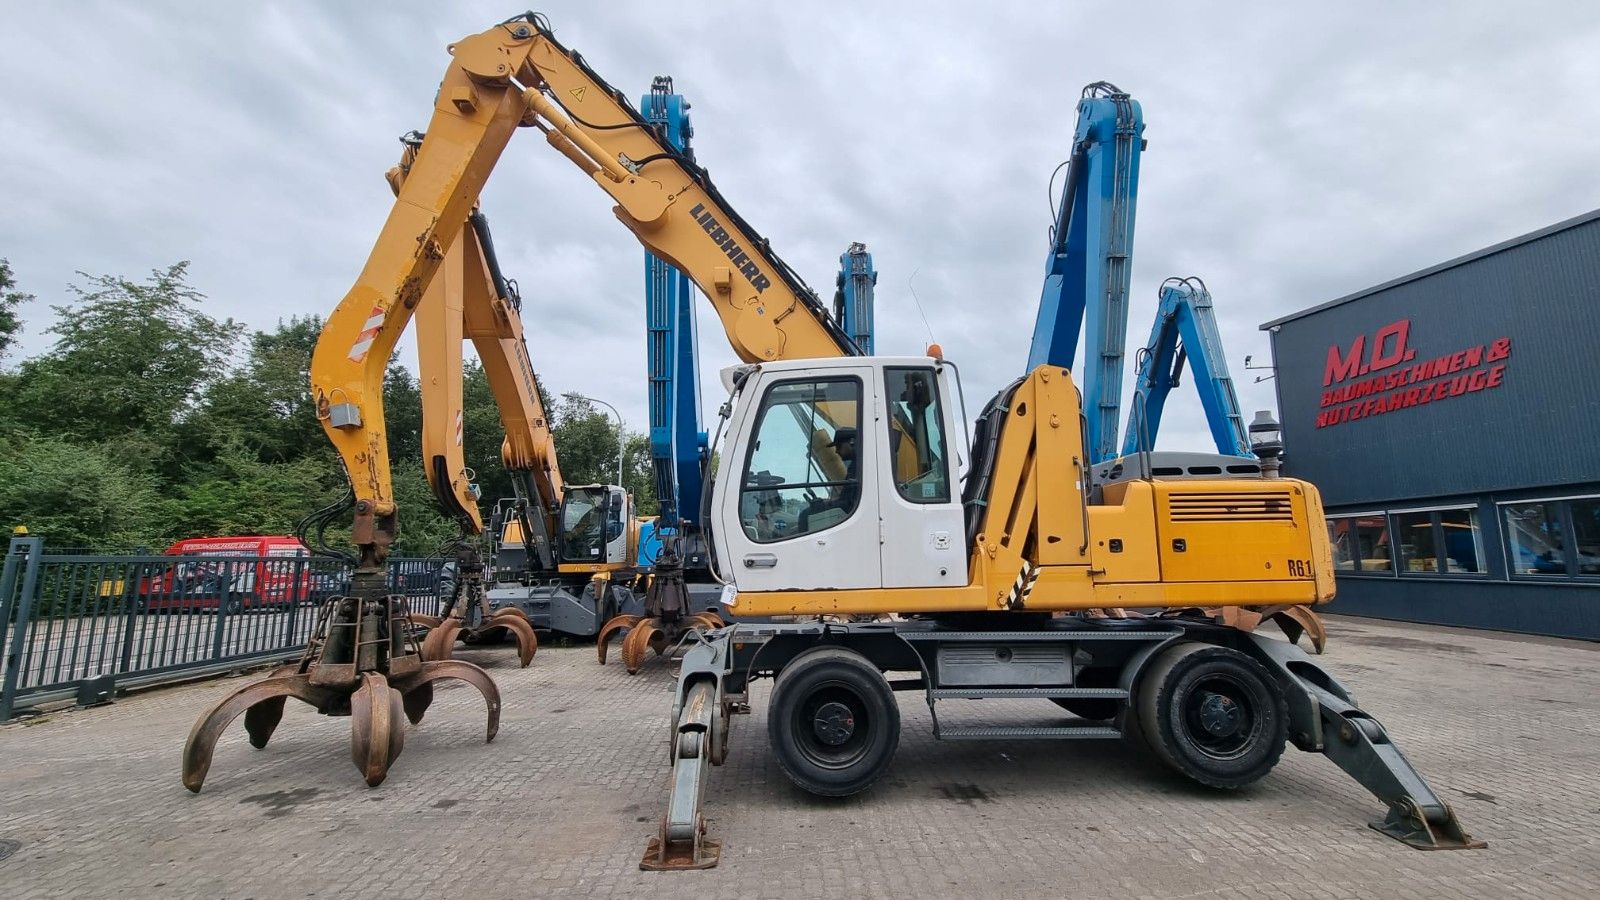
(912, 284)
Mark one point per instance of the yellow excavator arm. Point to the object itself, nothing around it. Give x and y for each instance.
(517, 74)
(469, 298)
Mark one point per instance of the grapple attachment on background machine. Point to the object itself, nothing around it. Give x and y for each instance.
(468, 617)
(361, 662)
(667, 615)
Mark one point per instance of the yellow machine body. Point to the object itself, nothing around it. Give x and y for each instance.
(1045, 544)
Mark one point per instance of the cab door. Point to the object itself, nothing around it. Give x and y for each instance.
(803, 513)
(919, 501)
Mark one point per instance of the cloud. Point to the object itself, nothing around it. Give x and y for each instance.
(1295, 155)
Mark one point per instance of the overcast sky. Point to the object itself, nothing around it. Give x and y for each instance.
(1295, 155)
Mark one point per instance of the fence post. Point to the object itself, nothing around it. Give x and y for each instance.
(299, 593)
(16, 606)
(132, 612)
(224, 596)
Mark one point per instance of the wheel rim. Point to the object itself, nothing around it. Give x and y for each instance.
(832, 727)
(1220, 717)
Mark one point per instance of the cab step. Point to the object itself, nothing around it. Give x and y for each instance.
(1025, 732)
(1026, 693)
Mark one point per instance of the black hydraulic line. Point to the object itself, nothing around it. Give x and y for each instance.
(986, 443)
(480, 227)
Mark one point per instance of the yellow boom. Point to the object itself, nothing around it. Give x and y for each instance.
(517, 74)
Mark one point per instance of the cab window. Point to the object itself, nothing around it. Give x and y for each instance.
(582, 519)
(916, 436)
(802, 475)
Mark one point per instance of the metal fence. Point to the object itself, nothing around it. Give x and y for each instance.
(83, 625)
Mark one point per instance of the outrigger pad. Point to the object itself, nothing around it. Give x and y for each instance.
(702, 854)
(1409, 825)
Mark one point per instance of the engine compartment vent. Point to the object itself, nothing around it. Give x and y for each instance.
(1231, 506)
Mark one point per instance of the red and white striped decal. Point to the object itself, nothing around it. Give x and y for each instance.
(369, 333)
(458, 428)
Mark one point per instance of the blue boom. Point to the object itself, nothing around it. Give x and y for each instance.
(1185, 329)
(677, 442)
(853, 299)
(1091, 242)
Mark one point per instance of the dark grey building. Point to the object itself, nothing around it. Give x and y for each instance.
(1451, 419)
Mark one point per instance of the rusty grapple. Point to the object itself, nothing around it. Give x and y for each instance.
(362, 662)
(469, 619)
(667, 617)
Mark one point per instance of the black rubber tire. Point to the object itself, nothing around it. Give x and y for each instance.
(1191, 682)
(833, 681)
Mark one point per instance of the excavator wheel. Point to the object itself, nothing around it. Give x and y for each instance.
(1212, 714)
(833, 722)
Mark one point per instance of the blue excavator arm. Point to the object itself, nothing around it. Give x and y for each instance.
(1087, 269)
(678, 443)
(1185, 332)
(853, 299)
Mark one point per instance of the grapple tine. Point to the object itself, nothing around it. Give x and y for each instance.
(522, 630)
(416, 702)
(262, 719)
(424, 621)
(610, 630)
(509, 611)
(1298, 620)
(634, 645)
(208, 728)
(377, 734)
(707, 621)
(441, 642)
(462, 671)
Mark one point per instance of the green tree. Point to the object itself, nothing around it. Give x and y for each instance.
(76, 495)
(10, 299)
(423, 530)
(485, 434)
(266, 403)
(237, 493)
(129, 363)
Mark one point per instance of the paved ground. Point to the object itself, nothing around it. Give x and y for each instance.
(1508, 729)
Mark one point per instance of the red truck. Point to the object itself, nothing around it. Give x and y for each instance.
(248, 572)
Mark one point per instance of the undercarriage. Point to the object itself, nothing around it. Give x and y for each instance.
(1214, 703)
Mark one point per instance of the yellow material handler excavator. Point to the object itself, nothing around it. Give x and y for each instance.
(994, 553)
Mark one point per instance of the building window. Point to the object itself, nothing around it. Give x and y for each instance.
(1535, 538)
(1586, 535)
(1361, 544)
(1439, 541)
(1461, 540)
(1552, 539)
(1413, 536)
